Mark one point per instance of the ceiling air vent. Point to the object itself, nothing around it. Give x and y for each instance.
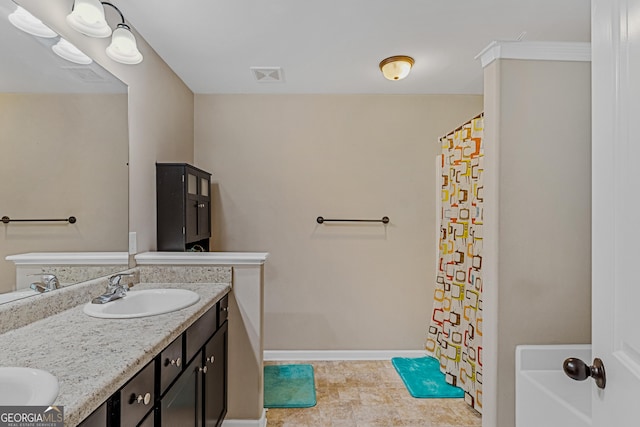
(85, 74)
(267, 74)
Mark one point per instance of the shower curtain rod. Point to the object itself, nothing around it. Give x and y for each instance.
(461, 126)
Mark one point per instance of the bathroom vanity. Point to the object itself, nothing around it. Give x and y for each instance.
(108, 368)
(184, 385)
(119, 365)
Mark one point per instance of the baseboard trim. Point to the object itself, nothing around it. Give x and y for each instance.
(299, 355)
(262, 422)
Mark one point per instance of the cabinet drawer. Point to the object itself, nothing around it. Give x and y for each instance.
(171, 363)
(223, 312)
(137, 397)
(200, 331)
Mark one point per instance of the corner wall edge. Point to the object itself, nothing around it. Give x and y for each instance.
(540, 51)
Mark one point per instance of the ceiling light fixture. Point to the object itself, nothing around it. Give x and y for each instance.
(396, 67)
(68, 51)
(28, 23)
(88, 18)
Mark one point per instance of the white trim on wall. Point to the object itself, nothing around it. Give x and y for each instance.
(300, 355)
(540, 51)
(262, 422)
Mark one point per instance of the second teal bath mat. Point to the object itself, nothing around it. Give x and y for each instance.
(423, 378)
(289, 386)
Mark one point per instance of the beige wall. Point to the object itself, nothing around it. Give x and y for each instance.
(63, 155)
(280, 161)
(160, 114)
(541, 115)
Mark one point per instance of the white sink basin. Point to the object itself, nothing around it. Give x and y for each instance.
(27, 386)
(148, 302)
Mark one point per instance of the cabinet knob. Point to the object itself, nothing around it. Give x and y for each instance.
(211, 359)
(224, 309)
(146, 399)
(203, 369)
(174, 362)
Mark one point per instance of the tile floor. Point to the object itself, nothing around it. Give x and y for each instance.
(370, 394)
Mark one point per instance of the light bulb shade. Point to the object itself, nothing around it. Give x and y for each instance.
(123, 47)
(68, 51)
(28, 23)
(396, 67)
(87, 17)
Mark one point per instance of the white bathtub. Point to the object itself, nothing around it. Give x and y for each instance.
(545, 396)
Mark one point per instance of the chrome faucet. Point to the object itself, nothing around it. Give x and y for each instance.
(116, 288)
(48, 282)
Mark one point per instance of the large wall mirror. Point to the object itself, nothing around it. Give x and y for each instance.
(64, 151)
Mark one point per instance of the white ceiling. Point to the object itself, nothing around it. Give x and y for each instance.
(334, 46)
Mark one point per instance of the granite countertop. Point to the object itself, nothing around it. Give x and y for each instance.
(92, 358)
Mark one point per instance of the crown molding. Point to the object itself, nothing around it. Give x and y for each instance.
(201, 258)
(539, 51)
(70, 258)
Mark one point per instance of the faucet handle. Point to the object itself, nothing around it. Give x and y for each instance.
(48, 281)
(115, 281)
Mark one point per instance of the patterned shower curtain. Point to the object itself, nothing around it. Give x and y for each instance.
(455, 332)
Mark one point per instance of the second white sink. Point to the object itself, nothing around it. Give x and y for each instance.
(27, 386)
(148, 302)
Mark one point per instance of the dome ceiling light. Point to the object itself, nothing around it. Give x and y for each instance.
(396, 67)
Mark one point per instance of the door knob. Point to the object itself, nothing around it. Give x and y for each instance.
(580, 371)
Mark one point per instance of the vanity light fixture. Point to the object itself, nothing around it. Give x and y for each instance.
(123, 47)
(396, 67)
(68, 51)
(88, 17)
(25, 21)
(28, 23)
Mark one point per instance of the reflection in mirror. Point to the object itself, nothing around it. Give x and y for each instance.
(64, 144)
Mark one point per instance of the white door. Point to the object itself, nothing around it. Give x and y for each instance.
(616, 209)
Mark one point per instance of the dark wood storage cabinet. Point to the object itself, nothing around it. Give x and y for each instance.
(166, 393)
(183, 203)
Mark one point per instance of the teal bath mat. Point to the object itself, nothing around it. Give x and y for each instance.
(423, 378)
(289, 386)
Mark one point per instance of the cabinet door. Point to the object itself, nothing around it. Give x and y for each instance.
(180, 406)
(215, 379)
(192, 212)
(149, 421)
(204, 219)
(97, 419)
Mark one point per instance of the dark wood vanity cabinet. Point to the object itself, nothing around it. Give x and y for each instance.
(185, 385)
(199, 397)
(183, 206)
